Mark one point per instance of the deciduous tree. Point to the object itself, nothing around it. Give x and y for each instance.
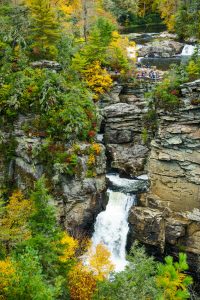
(14, 221)
(82, 283)
(99, 262)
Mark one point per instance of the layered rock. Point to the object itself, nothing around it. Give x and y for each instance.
(123, 119)
(169, 215)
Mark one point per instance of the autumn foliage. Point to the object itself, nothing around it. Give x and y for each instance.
(69, 245)
(98, 79)
(14, 220)
(99, 260)
(7, 270)
(83, 278)
(82, 283)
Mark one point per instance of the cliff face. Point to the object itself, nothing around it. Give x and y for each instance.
(168, 217)
(123, 118)
(79, 197)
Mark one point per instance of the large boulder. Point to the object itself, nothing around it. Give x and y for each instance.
(123, 127)
(167, 48)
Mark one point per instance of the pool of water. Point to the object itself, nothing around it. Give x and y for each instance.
(144, 29)
(163, 63)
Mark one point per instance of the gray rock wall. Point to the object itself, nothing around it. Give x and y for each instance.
(79, 197)
(169, 215)
(123, 117)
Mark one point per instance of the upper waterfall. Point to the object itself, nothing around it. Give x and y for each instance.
(111, 227)
(188, 50)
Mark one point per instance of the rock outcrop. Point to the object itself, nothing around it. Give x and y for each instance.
(169, 216)
(79, 197)
(123, 118)
(164, 49)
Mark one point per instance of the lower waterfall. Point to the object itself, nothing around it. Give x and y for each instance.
(111, 227)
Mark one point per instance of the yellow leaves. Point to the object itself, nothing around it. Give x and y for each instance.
(192, 69)
(14, 222)
(97, 79)
(171, 284)
(69, 8)
(6, 272)
(168, 9)
(69, 247)
(96, 148)
(83, 278)
(117, 52)
(172, 279)
(115, 35)
(91, 160)
(99, 260)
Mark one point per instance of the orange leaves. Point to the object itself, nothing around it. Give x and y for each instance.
(82, 283)
(96, 148)
(83, 278)
(97, 79)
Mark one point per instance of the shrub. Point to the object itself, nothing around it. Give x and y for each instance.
(144, 278)
(193, 69)
(97, 79)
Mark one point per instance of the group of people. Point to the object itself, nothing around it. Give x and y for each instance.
(152, 74)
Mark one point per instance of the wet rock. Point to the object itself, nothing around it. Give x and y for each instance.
(125, 185)
(147, 226)
(166, 48)
(128, 158)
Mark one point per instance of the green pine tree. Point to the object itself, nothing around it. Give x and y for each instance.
(173, 280)
(44, 29)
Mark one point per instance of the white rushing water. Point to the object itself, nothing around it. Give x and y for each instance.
(111, 227)
(188, 50)
(120, 182)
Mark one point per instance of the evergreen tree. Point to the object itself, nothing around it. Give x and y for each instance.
(47, 238)
(44, 29)
(28, 280)
(172, 279)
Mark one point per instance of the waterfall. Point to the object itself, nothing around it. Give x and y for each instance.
(188, 50)
(111, 227)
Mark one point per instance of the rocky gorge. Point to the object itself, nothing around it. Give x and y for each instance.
(167, 216)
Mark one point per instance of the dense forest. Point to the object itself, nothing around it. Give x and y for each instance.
(57, 60)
